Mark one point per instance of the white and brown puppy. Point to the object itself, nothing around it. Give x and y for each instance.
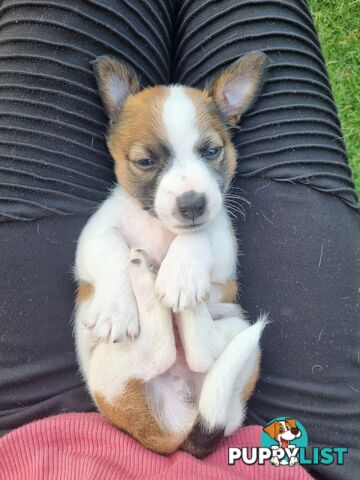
(174, 161)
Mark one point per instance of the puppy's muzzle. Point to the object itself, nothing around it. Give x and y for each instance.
(191, 205)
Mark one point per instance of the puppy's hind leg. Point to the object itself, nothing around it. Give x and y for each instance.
(200, 338)
(156, 330)
(119, 372)
(206, 330)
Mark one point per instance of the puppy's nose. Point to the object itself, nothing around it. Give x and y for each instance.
(191, 205)
(294, 430)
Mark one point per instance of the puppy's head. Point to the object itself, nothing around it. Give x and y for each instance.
(171, 145)
(283, 431)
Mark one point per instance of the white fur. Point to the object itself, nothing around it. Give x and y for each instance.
(118, 90)
(232, 371)
(188, 172)
(101, 260)
(194, 266)
(175, 393)
(112, 365)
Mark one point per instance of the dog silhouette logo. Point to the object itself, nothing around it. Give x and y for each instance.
(284, 441)
(284, 436)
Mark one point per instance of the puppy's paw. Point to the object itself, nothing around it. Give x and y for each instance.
(181, 287)
(113, 316)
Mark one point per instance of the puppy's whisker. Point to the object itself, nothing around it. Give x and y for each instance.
(234, 204)
(240, 212)
(237, 198)
(232, 211)
(235, 187)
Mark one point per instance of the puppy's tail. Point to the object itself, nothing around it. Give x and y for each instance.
(230, 376)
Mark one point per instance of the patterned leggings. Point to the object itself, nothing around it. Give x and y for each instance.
(300, 240)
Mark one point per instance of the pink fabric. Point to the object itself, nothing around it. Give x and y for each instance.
(83, 446)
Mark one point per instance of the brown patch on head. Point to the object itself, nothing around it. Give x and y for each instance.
(130, 412)
(138, 135)
(84, 291)
(214, 132)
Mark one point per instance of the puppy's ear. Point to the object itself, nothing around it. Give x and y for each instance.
(237, 87)
(116, 81)
(271, 430)
(291, 422)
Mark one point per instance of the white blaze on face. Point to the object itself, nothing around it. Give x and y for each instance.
(179, 118)
(287, 434)
(187, 171)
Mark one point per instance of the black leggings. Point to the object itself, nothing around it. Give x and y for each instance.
(300, 241)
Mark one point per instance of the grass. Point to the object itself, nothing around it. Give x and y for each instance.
(338, 25)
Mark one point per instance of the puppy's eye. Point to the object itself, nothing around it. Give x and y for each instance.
(145, 163)
(212, 152)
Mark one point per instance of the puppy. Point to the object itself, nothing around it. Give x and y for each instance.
(174, 161)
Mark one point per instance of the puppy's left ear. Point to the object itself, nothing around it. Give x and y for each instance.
(116, 81)
(236, 88)
(270, 430)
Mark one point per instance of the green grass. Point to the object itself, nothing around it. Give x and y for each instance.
(338, 24)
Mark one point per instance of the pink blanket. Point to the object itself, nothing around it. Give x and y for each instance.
(83, 446)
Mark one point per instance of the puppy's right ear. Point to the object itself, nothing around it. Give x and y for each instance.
(116, 81)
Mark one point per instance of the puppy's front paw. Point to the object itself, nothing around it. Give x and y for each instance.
(182, 287)
(114, 316)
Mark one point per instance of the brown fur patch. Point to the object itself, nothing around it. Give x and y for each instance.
(84, 292)
(138, 128)
(130, 412)
(230, 292)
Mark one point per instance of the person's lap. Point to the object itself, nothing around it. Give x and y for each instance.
(300, 239)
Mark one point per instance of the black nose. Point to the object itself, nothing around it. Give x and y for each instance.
(191, 205)
(295, 430)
